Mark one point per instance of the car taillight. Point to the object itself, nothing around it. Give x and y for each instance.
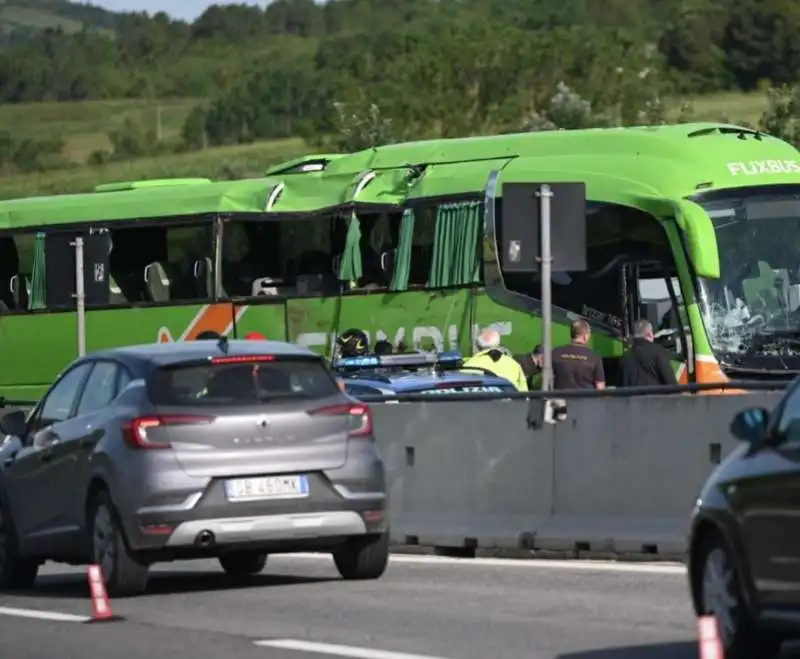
(360, 413)
(135, 430)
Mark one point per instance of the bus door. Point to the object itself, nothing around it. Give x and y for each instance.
(656, 297)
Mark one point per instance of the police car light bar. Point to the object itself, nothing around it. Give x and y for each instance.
(452, 358)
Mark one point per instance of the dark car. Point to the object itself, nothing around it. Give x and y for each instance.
(415, 373)
(744, 547)
(232, 450)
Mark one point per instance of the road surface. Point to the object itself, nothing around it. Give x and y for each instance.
(423, 608)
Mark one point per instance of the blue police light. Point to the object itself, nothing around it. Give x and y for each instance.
(412, 360)
(358, 362)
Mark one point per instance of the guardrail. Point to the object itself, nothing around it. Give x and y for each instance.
(6, 402)
(618, 477)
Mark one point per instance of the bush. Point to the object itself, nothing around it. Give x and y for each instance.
(780, 119)
(355, 128)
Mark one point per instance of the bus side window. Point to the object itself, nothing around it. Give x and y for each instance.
(151, 263)
(379, 242)
(422, 246)
(615, 235)
(26, 253)
(295, 257)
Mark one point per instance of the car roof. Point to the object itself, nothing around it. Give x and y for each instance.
(409, 381)
(164, 354)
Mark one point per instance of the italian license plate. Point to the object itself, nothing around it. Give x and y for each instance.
(266, 487)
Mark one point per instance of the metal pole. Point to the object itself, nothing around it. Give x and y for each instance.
(545, 195)
(80, 296)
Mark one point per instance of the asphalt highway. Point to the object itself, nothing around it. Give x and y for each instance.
(423, 608)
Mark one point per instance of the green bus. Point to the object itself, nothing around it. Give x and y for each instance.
(692, 226)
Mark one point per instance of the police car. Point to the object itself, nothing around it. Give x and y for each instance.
(418, 373)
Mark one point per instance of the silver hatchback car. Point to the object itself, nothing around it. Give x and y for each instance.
(231, 449)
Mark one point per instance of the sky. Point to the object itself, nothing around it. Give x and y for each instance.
(186, 9)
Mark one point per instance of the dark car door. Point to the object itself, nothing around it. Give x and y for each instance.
(102, 386)
(33, 492)
(766, 499)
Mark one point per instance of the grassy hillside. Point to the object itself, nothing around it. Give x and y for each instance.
(85, 127)
(226, 162)
(736, 107)
(20, 19)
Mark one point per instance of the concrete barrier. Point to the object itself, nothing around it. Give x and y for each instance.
(457, 479)
(619, 476)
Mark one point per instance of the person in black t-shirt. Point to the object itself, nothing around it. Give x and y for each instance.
(576, 366)
(646, 363)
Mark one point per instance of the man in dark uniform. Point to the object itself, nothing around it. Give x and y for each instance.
(576, 366)
(531, 363)
(646, 364)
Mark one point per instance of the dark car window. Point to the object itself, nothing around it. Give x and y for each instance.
(100, 389)
(124, 379)
(241, 383)
(360, 390)
(58, 403)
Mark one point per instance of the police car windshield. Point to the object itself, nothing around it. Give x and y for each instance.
(758, 292)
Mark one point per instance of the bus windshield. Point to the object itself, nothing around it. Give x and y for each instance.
(754, 307)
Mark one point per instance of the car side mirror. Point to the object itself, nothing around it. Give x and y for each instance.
(750, 425)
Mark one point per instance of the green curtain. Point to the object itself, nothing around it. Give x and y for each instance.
(351, 268)
(455, 245)
(36, 299)
(402, 261)
(467, 262)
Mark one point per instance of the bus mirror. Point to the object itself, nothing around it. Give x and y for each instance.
(520, 227)
(700, 236)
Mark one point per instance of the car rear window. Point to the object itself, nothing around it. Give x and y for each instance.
(241, 383)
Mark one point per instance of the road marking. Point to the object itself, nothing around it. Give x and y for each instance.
(41, 615)
(338, 650)
(530, 564)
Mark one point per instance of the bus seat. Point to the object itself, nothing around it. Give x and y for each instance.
(372, 271)
(421, 260)
(115, 295)
(388, 262)
(314, 262)
(6, 294)
(20, 287)
(204, 276)
(313, 284)
(157, 282)
(182, 284)
(271, 286)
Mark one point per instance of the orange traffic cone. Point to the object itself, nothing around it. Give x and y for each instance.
(101, 607)
(708, 635)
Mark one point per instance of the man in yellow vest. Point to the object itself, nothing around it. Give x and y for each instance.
(496, 360)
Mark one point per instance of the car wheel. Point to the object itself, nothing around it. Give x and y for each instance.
(124, 575)
(241, 564)
(718, 585)
(16, 572)
(363, 558)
